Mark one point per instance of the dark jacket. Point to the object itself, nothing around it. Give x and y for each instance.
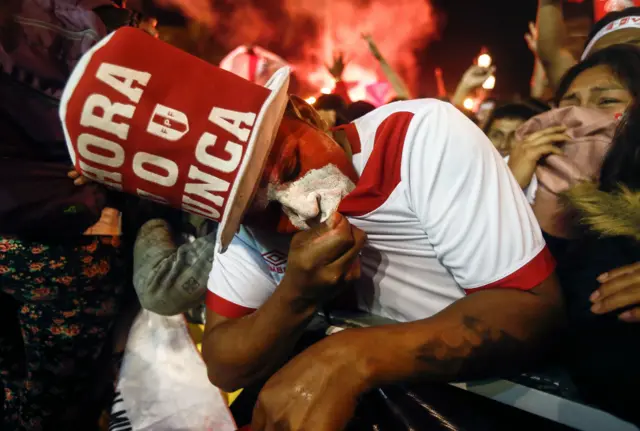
(603, 352)
(40, 43)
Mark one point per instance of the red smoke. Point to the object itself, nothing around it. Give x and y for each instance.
(307, 32)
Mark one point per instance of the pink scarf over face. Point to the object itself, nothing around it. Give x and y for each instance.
(591, 133)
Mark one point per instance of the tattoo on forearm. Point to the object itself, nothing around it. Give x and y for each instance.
(469, 352)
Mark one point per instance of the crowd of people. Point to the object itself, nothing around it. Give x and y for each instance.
(498, 241)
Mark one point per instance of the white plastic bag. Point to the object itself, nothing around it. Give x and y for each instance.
(163, 383)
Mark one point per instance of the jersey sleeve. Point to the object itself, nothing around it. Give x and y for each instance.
(239, 281)
(476, 217)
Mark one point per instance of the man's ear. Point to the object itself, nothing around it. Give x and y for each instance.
(306, 112)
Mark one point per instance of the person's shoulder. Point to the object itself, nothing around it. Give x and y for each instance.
(423, 112)
(401, 112)
(440, 134)
(415, 106)
(444, 113)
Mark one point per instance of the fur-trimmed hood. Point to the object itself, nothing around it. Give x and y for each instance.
(614, 214)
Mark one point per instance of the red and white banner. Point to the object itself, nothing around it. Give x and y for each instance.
(148, 119)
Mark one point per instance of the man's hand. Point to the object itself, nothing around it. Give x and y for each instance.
(337, 68)
(532, 38)
(472, 80)
(619, 289)
(78, 178)
(524, 156)
(241, 351)
(475, 76)
(323, 257)
(317, 390)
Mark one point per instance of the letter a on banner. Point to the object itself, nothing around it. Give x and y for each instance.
(232, 122)
(122, 79)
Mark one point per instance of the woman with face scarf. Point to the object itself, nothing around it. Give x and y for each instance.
(600, 278)
(594, 235)
(567, 145)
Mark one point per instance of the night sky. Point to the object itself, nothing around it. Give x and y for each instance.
(467, 26)
(472, 24)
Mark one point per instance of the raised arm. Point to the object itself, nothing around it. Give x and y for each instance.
(471, 81)
(336, 70)
(397, 83)
(555, 58)
(539, 81)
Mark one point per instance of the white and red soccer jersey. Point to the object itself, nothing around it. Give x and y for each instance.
(443, 215)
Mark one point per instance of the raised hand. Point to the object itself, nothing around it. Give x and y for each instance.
(532, 38)
(337, 68)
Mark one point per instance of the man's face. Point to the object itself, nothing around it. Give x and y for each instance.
(305, 178)
(502, 133)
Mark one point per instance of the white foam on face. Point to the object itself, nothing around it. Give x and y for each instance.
(313, 198)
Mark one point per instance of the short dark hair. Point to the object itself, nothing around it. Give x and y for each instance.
(608, 19)
(624, 61)
(333, 102)
(330, 102)
(359, 109)
(518, 110)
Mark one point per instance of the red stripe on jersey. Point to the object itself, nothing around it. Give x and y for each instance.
(381, 174)
(225, 308)
(526, 278)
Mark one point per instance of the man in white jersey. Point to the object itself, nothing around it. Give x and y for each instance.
(410, 212)
(451, 245)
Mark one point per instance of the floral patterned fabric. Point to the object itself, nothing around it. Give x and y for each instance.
(57, 304)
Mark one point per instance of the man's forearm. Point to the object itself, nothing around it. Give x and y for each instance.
(538, 80)
(460, 94)
(489, 333)
(241, 351)
(551, 28)
(555, 58)
(397, 83)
